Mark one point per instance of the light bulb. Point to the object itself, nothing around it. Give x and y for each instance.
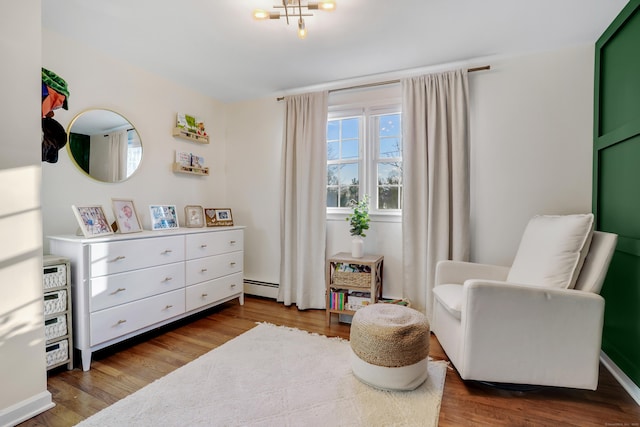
(260, 14)
(302, 30)
(328, 5)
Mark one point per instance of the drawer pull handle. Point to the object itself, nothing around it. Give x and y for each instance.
(203, 270)
(120, 322)
(167, 279)
(232, 263)
(166, 251)
(118, 258)
(205, 295)
(203, 245)
(168, 307)
(233, 285)
(118, 290)
(232, 242)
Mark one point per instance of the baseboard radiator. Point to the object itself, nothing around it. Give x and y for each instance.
(261, 289)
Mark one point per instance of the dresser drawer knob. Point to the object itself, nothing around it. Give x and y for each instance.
(232, 264)
(233, 285)
(167, 279)
(166, 251)
(203, 245)
(205, 295)
(168, 306)
(203, 270)
(232, 242)
(118, 258)
(121, 321)
(118, 290)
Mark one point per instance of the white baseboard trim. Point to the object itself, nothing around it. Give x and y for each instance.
(29, 408)
(623, 379)
(261, 290)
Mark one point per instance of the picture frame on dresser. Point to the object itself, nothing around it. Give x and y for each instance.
(163, 217)
(193, 216)
(92, 220)
(126, 216)
(218, 217)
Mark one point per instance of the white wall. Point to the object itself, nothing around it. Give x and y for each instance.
(531, 122)
(22, 346)
(254, 132)
(150, 103)
(531, 149)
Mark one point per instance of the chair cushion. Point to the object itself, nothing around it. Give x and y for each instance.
(552, 250)
(450, 297)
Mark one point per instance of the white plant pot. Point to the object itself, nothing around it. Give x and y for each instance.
(357, 247)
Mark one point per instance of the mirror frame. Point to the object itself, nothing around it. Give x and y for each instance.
(74, 160)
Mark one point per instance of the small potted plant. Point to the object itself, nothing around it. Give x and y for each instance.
(359, 223)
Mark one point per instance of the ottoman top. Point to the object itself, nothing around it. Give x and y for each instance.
(390, 335)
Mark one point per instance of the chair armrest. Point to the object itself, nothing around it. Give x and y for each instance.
(537, 335)
(457, 272)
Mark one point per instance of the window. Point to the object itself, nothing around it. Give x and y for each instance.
(364, 156)
(134, 151)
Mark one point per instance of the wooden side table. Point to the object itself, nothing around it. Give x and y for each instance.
(362, 275)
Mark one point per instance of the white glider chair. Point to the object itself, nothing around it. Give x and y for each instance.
(538, 322)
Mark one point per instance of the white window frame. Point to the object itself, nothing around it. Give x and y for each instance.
(368, 163)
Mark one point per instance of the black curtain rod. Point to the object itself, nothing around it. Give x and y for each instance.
(388, 82)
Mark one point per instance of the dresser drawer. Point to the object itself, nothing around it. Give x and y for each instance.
(123, 319)
(116, 257)
(202, 269)
(213, 290)
(214, 243)
(108, 291)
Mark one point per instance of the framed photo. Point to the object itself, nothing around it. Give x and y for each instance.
(126, 216)
(194, 216)
(163, 217)
(216, 217)
(92, 220)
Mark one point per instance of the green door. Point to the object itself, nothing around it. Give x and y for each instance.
(616, 183)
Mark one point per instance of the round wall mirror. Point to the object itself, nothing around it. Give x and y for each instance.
(104, 145)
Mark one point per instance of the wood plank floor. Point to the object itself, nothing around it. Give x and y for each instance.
(122, 369)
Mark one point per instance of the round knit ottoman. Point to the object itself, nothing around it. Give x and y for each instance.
(390, 346)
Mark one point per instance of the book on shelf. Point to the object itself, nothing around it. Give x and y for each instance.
(189, 161)
(343, 299)
(337, 299)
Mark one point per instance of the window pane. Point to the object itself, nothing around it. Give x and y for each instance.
(332, 150)
(332, 197)
(350, 149)
(390, 147)
(389, 125)
(332, 174)
(389, 174)
(388, 197)
(333, 130)
(349, 174)
(347, 194)
(350, 128)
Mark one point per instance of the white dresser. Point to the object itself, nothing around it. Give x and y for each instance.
(126, 284)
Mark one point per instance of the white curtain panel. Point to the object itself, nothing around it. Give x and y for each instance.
(303, 202)
(435, 214)
(118, 156)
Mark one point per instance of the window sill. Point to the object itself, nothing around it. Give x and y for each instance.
(375, 217)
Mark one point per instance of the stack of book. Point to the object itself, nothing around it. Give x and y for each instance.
(343, 299)
(338, 299)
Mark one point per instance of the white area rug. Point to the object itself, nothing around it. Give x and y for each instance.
(274, 376)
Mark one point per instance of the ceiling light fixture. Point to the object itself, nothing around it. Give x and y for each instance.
(293, 8)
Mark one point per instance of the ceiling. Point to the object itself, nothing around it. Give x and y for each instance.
(216, 48)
